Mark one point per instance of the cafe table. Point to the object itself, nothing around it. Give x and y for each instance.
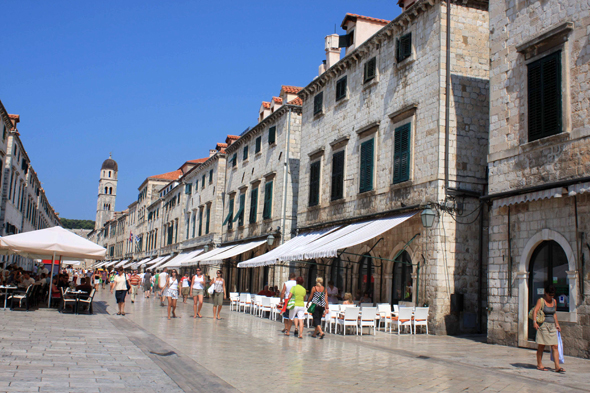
(77, 295)
(6, 289)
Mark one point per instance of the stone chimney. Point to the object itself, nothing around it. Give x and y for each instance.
(332, 50)
(322, 68)
(404, 4)
(212, 152)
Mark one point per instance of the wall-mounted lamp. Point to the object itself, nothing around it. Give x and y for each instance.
(428, 215)
(270, 240)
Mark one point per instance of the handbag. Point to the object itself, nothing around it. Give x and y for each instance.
(291, 303)
(559, 349)
(311, 308)
(127, 283)
(540, 315)
(211, 289)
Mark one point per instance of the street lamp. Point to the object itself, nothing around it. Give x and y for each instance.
(428, 215)
(270, 240)
(206, 248)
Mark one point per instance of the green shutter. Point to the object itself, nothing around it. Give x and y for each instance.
(211, 176)
(401, 160)
(272, 134)
(230, 214)
(234, 160)
(203, 181)
(318, 103)
(253, 205)
(240, 214)
(370, 69)
(403, 48)
(544, 97)
(338, 175)
(208, 219)
(245, 155)
(267, 211)
(366, 173)
(258, 144)
(314, 184)
(200, 222)
(341, 88)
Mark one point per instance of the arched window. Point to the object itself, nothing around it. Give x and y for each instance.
(111, 190)
(548, 266)
(109, 173)
(401, 289)
(366, 279)
(106, 190)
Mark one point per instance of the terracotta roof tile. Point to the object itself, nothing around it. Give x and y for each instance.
(198, 160)
(266, 104)
(232, 137)
(278, 100)
(168, 176)
(296, 101)
(220, 146)
(291, 89)
(356, 16)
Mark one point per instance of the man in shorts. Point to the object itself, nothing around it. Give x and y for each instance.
(134, 281)
(162, 281)
(285, 296)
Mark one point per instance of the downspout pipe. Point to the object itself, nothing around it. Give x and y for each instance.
(447, 95)
(285, 173)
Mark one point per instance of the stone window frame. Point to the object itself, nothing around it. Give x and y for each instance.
(400, 118)
(408, 60)
(544, 44)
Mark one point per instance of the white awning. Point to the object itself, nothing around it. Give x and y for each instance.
(129, 263)
(120, 264)
(529, 197)
(177, 260)
(232, 252)
(207, 255)
(580, 188)
(162, 261)
(111, 263)
(144, 261)
(100, 264)
(298, 242)
(153, 261)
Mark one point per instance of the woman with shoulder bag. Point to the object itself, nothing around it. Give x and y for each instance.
(318, 297)
(547, 331)
(121, 286)
(218, 285)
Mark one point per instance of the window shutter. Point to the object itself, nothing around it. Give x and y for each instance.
(401, 163)
(258, 144)
(208, 218)
(267, 212)
(272, 131)
(253, 205)
(544, 97)
(314, 184)
(318, 102)
(211, 176)
(234, 160)
(341, 88)
(370, 69)
(403, 48)
(203, 181)
(241, 211)
(338, 175)
(366, 174)
(344, 41)
(245, 155)
(200, 222)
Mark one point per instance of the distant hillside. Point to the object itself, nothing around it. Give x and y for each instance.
(77, 224)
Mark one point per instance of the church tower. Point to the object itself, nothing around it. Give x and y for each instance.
(107, 192)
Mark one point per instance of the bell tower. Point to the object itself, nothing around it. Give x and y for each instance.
(107, 192)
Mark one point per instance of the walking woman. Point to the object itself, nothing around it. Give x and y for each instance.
(171, 292)
(96, 279)
(297, 313)
(197, 292)
(218, 294)
(547, 332)
(318, 296)
(147, 284)
(120, 285)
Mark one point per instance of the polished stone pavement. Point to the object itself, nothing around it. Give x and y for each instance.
(144, 351)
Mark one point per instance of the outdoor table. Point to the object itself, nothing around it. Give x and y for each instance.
(6, 289)
(77, 295)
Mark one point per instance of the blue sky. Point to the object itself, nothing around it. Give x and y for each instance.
(154, 82)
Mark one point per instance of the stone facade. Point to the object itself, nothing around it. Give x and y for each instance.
(409, 92)
(24, 205)
(537, 186)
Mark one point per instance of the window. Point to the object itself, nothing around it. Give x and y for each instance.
(203, 181)
(267, 211)
(366, 175)
(234, 160)
(258, 144)
(403, 48)
(344, 41)
(544, 96)
(402, 279)
(170, 234)
(201, 222)
(401, 154)
(341, 88)
(338, 175)
(245, 154)
(188, 188)
(370, 69)
(314, 183)
(240, 214)
(365, 278)
(211, 176)
(196, 185)
(230, 214)
(272, 135)
(4, 132)
(253, 205)
(208, 219)
(318, 103)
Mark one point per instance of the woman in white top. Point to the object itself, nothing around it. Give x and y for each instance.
(197, 292)
(119, 285)
(171, 292)
(218, 284)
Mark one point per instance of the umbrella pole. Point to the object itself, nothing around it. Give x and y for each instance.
(51, 281)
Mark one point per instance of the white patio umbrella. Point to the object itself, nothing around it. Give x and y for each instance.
(55, 242)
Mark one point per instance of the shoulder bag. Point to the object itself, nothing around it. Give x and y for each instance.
(540, 314)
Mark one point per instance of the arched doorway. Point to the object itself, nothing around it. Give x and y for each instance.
(366, 279)
(548, 265)
(312, 273)
(401, 288)
(337, 274)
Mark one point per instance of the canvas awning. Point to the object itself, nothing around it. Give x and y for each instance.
(144, 261)
(154, 261)
(580, 188)
(162, 261)
(231, 252)
(183, 256)
(111, 263)
(123, 262)
(529, 197)
(209, 254)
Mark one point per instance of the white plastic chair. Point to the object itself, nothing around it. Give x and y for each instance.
(366, 305)
(368, 316)
(404, 319)
(274, 305)
(384, 311)
(234, 300)
(351, 318)
(245, 302)
(256, 303)
(421, 318)
(265, 307)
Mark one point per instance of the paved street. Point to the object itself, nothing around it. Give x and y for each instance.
(145, 352)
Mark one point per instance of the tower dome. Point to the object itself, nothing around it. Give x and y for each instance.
(110, 164)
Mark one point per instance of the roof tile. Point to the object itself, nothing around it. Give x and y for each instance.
(291, 89)
(356, 16)
(174, 175)
(296, 101)
(266, 104)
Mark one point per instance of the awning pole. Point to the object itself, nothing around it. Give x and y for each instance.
(50, 280)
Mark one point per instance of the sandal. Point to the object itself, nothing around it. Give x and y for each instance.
(560, 370)
(322, 336)
(118, 313)
(301, 337)
(542, 369)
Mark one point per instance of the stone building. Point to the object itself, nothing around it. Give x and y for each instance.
(24, 205)
(539, 169)
(107, 192)
(378, 150)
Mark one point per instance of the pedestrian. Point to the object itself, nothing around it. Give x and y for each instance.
(147, 284)
(162, 282)
(96, 279)
(218, 294)
(135, 281)
(297, 313)
(103, 278)
(185, 283)
(285, 292)
(547, 332)
(170, 291)
(197, 292)
(318, 296)
(120, 285)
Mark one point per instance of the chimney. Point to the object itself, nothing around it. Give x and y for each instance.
(332, 50)
(322, 68)
(212, 152)
(405, 4)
